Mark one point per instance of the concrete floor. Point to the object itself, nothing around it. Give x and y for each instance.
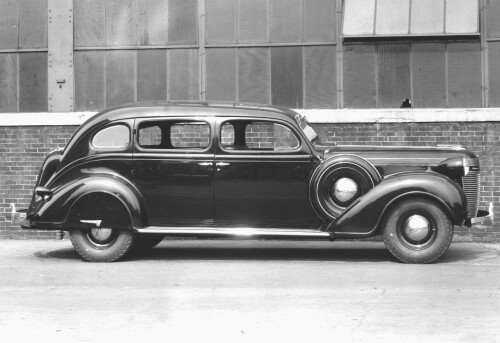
(248, 291)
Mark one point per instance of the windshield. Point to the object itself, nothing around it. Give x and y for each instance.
(311, 135)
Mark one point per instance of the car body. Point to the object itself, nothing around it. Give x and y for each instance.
(131, 175)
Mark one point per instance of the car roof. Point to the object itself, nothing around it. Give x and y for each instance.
(190, 109)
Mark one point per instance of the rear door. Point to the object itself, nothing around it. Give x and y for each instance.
(173, 169)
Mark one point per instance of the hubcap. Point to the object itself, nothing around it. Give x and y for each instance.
(345, 189)
(100, 236)
(416, 228)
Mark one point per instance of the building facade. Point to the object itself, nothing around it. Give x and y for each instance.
(348, 65)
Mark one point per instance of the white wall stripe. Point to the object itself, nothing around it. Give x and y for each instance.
(343, 116)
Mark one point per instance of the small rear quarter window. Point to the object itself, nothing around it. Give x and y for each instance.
(113, 137)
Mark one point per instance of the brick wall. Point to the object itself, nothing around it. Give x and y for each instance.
(22, 150)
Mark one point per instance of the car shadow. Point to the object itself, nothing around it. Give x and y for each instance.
(372, 252)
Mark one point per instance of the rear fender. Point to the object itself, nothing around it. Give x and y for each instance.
(78, 200)
(363, 217)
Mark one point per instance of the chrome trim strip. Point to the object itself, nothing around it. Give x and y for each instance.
(245, 232)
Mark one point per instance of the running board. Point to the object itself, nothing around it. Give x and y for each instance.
(237, 232)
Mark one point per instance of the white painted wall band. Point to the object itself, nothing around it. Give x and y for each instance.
(343, 116)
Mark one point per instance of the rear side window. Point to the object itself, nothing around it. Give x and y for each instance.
(169, 134)
(113, 137)
(257, 135)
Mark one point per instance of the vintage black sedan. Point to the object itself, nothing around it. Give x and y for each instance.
(132, 175)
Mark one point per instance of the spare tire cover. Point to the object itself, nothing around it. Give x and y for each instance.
(338, 182)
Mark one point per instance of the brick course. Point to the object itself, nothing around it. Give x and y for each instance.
(23, 149)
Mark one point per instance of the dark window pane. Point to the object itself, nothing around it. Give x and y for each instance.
(221, 21)
(120, 77)
(33, 92)
(359, 17)
(392, 17)
(90, 78)
(494, 73)
(286, 76)
(286, 21)
(429, 88)
(464, 74)
(393, 75)
(8, 82)
(427, 16)
(492, 15)
(151, 16)
(183, 76)
(462, 16)
(253, 21)
(32, 24)
(221, 74)
(320, 77)
(120, 24)
(151, 75)
(183, 21)
(359, 76)
(254, 75)
(319, 21)
(89, 23)
(9, 27)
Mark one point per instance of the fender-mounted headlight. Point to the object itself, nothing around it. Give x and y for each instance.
(455, 167)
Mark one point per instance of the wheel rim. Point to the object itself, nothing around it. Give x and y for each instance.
(416, 231)
(101, 237)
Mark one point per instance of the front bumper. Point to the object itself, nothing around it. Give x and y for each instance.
(482, 217)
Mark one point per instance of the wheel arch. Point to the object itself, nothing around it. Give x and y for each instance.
(364, 217)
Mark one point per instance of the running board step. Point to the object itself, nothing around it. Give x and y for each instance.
(238, 232)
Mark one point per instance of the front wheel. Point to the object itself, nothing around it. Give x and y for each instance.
(417, 231)
(102, 244)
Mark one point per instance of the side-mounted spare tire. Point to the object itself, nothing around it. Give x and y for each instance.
(338, 182)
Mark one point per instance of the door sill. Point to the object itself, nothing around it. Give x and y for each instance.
(235, 232)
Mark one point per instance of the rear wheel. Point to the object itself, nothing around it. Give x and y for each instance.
(102, 244)
(417, 231)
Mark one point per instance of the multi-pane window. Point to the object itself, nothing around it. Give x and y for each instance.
(405, 17)
(23, 56)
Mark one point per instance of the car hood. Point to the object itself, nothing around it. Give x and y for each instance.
(394, 159)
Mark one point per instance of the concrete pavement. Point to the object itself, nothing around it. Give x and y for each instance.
(247, 291)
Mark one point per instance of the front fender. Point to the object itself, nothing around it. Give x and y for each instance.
(363, 217)
(58, 210)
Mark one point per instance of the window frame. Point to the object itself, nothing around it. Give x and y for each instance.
(111, 148)
(140, 121)
(287, 125)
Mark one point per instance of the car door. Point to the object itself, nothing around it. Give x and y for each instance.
(262, 170)
(173, 170)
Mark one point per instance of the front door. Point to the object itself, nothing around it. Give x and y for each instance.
(262, 171)
(173, 170)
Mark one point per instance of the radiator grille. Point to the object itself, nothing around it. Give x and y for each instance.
(471, 188)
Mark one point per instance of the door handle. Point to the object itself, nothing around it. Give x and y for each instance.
(222, 164)
(205, 164)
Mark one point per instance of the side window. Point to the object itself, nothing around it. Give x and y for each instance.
(171, 134)
(257, 135)
(113, 137)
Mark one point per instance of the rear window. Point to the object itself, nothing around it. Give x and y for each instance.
(113, 137)
(168, 134)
